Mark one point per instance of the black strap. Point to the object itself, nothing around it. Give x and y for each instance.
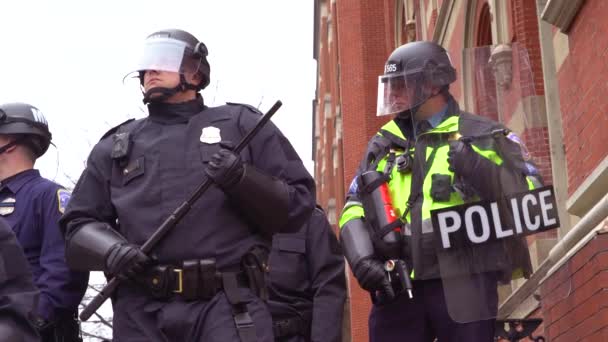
(394, 139)
(368, 188)
(379, 234)
(390, 162)
(418, 177)
(242, 319)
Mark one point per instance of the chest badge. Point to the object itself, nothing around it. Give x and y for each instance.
(211, 135)
(7, 206)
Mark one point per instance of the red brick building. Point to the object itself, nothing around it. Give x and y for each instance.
(567, 45)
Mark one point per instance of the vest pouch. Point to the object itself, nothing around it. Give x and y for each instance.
(441, 187)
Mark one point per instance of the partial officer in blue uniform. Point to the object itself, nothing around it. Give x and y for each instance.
(32, 206)
(307, 283)
(197, 285)
(18, 294)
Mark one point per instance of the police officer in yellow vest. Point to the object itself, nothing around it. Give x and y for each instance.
(417, 163)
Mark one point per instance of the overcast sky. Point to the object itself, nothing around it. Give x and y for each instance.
(69, 57)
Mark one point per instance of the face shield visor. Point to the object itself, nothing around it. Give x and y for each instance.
(407, 86)
(165, 54)
(399, 92)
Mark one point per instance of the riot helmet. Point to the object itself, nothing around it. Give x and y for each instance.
(411, 73)
(28, 124)
(177, 51)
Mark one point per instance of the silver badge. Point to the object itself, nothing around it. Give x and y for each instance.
(211, 135)
(7, 206)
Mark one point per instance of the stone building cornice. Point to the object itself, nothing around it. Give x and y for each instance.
(561, 13)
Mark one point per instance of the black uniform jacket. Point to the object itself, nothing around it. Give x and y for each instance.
(165, 164)
(307, 278)
(18, 294)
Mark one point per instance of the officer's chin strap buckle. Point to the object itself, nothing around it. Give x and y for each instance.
(179, 273)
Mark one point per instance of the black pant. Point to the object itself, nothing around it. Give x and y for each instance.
(65, 329)
(424, 318)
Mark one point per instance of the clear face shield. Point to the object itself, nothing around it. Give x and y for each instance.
(165, 54)
(393, 94)
(407, 89)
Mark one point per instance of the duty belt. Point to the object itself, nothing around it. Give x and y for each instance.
(194, 280)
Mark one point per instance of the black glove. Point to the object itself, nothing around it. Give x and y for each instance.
(462, 159)
(225, 168)
(126, 261)
(371, 275)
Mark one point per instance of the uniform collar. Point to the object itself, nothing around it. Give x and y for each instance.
(172, 113)
(437, 118)
(15, 182)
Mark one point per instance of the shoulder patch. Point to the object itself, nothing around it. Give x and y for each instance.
(524, 150)
(114, 129)
(63, 197)
(354, 187)
(532, 170)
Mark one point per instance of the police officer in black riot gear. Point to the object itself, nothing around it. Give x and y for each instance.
(32, 206)
(307, 283)
(197, 284)
(421, 164)
(18, 294)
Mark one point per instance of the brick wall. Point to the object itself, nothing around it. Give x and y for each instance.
(575, 299)
(454, 47)
(582, 91)
(363, 48)
(525, 21)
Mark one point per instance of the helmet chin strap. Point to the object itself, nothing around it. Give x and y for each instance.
(165, 93)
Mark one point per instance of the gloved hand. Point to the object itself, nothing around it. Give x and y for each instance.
(126, 261)
(462, 159)
(371, 275)
(225, 168)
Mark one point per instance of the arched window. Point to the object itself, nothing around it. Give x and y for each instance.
(484, 91)
(484, 27)
(405, 22)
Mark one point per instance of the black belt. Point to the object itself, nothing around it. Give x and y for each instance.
(194, 280)
(292, 326)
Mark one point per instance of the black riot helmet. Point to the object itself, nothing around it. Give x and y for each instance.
(28, 124)
(410, 74)
(174, 51)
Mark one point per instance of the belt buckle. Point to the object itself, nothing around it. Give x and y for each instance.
(180, 280)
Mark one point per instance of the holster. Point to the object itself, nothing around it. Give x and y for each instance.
(255, 266)
(291, 326)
